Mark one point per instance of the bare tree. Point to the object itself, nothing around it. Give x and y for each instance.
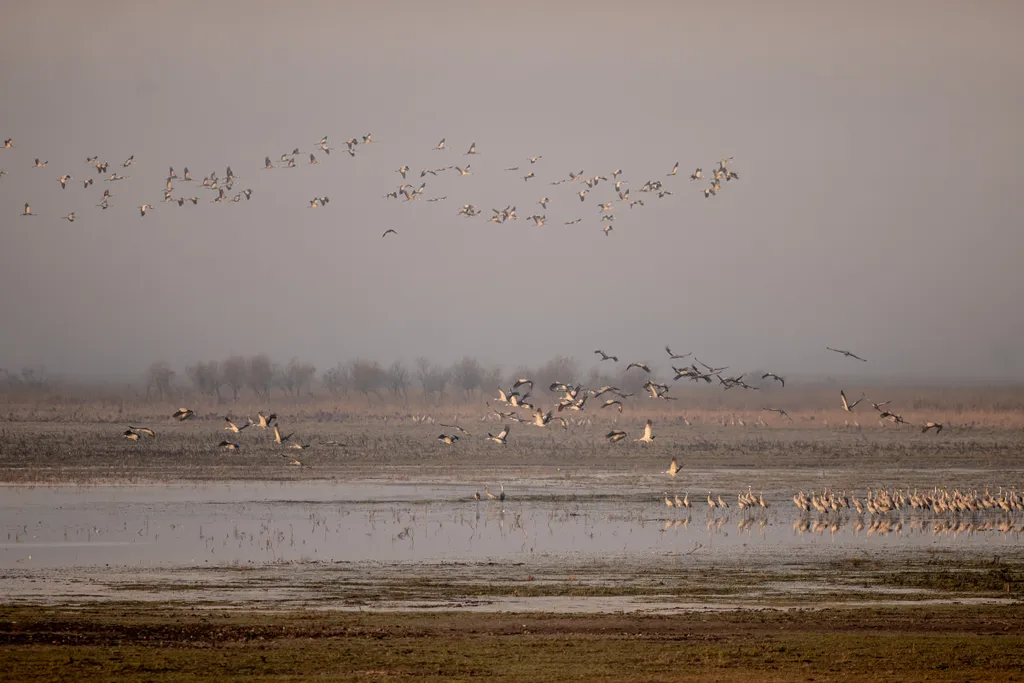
(367, 377)
(206, 378)
(467, 374)
(235, 374)
(260, 374)
(423, 375)
(158, 380)
(336, 380)
(398, 380)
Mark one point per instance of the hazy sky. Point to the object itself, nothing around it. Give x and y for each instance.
(877, 208)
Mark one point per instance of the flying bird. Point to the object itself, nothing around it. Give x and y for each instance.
(143, 430)
(70, 218)
(387, 232)
(472, 149)
(648, 435)
(845, 353)
(144, 208)
(673, 468)
(675, 169)
(229, 445)
(605, 356)
(183, 414)
(615, 435)
(642, 366)
(501, 437)
(232, 427)
(130, 435)
(674, 356)
(848, 407)
(775, 377)
(263, 421)
(281, 439)
(448, 438)
(64, 181)
(780, 411)
(937, 426)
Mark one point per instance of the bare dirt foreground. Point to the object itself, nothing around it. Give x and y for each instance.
(176, 643)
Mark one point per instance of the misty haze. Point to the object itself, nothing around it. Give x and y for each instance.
(544, 341)
(875, 207)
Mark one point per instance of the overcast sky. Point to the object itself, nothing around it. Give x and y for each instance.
(877, 207)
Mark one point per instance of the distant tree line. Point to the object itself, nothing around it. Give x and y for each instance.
(465, 381)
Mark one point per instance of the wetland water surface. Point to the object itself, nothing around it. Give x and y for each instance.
(263, 523)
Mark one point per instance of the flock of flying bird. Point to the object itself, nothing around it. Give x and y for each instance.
(223, 187)
(571, 397)
(236, 427)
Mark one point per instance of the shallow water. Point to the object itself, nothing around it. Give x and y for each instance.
(261, 523)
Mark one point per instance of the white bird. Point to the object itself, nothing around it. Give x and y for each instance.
(501, 437)
(232, 427)
(848, 407)
(648, 435)
(673, 468)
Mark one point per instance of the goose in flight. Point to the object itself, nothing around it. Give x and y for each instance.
(848, 407)
(615, 435)
(648, 435)
(9, 143)
(86, 183)
(607, 229)
(64, 181)
(457, 427)
(281, 439)
(612, 402)
(128, 162)
(70, 218)
(389, 231)
(583, 194)
(544, 203)
(263, 421)
(675, 169)
(232, 427)
(937, 426)
(535, 159)
(229, 445)
(183, 414)
(521, 381)
(403, 170)
(40, 164)
(878, 406)
(463, 171)
(144, 208)
(501, 437)
(775, 377)
(605, 356)
(891, 417)
(675, 356)
(573, 222)
(143, 430)
(673, 468)
(538, 220)
(529, 175)
(605, 207)
(299, 446)
(642, 366)
(130, 435)
(448, 438)
(440, 145)
(845, 353)
(780, 411)
(472, 149)
(292, 461)
(698, 174)
(267, 163)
